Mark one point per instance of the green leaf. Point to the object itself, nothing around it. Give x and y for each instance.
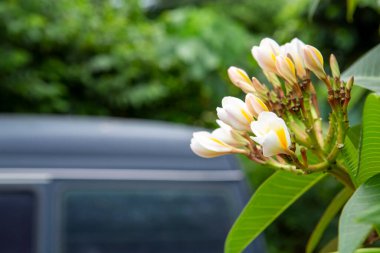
(271, 199)
(369, 162)
(368, 250)
(366, 70)
(357, 94)
(352, 233)
(331, 211)
(354, 133)
(371, 216)
(350, 152)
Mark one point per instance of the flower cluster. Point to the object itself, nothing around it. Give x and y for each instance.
(282, 126)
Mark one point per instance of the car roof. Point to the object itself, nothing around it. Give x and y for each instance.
(99, 142)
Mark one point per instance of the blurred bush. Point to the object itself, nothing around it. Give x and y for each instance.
(167, 61)
(108, 58)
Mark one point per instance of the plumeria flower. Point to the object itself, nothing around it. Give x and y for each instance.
(271, 133)
(235, 113)
(314, 61)
(293, 97)
(240, 79)
(265, 54)
(207, 145)
(255, 105)
(294, 49)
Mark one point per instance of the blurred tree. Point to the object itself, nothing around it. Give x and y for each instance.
(107, 57)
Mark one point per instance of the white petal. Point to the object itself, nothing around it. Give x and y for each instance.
(209, 142)
(259, 128)
(227, 101)
(271, 145)
(201, 151)
(259, 139)
(267, 116)
(255, 105)
(271, 44)
(224, 136)
(268, 124)
(235, 113)
(240, 114)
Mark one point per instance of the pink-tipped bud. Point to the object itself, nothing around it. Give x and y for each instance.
(334, 67)
(255, 105)
(261, 90)
(286, 69)
(265, 54)
(240, 79)
(314, 61)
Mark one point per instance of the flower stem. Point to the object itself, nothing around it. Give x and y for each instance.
(339, 173)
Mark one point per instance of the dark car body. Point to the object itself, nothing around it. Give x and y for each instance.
(95, 185)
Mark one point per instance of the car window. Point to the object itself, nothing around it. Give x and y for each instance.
(148, 220)
(17, 212)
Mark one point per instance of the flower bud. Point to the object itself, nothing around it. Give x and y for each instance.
(235, 113)
(206, 145)
(285, 68)
(255, 105)
(349, 83)
(260, 89)
(314, 61)
(271, 133)
(334, 67)
(265, 54)
(294, 50)
(240, 79)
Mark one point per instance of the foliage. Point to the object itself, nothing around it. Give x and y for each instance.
(366, 70)
(352, 232)
(107, 57)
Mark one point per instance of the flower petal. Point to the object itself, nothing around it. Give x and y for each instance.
(272, 145)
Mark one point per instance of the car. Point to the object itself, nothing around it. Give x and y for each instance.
(105, 185)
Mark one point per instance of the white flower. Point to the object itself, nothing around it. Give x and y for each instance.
(265, 54)
(271, 133)
(207, 145)
(235, 113)
(255, 105)
(240, 79)
(294, 49)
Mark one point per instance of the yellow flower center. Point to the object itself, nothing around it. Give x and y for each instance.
(282, 137)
